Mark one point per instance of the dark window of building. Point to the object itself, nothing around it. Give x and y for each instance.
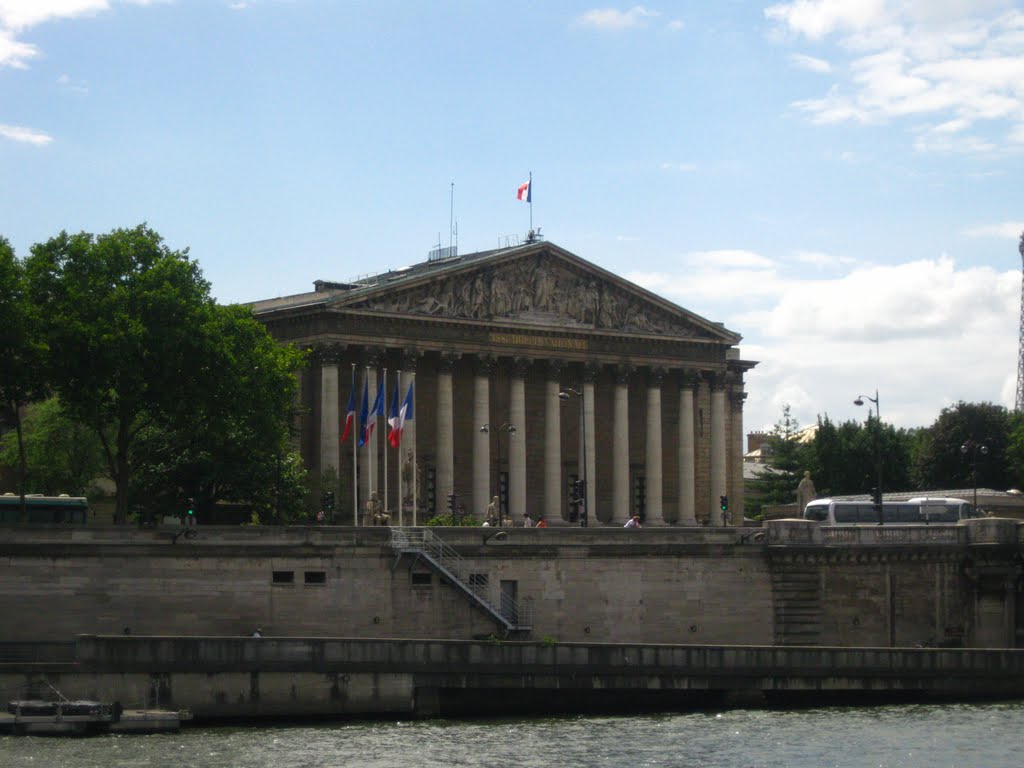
(478, 579)
(316, 577)
(284, 577)
(421, 579)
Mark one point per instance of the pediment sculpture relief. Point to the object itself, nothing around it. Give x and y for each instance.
(532, 289)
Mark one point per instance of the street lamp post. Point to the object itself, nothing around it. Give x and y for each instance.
(878, 451)
(974, 448)
(566, 394)
(511, 430)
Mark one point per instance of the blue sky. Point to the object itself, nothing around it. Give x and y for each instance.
(839, 181)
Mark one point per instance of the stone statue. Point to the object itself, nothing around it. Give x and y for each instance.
(408, 477)
(805, 492)
(493, 515)
(373, 510)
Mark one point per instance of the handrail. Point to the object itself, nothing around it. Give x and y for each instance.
(515, 614)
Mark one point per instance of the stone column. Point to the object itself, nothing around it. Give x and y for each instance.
(687, 454)
(589, 458)
(652, 449)
(621, 509)
(366, 455)
(517, 444)
(736, 398)
(445, 429)
(410, 359)
(553, 442)
(719, 481)
(330, 448)
(482, 440)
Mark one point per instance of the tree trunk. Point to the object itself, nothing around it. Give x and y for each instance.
(123, 474)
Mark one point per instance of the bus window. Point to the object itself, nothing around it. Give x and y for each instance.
(845, 513)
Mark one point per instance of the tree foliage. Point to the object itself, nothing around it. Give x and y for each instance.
(242, 453)
(62, 455)
(22, 349)
(946, 457)
(785, 459)
(187, 399)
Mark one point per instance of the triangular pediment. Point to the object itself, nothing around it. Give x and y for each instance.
(540, 285)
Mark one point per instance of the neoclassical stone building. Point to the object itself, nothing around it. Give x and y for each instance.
(651, 394)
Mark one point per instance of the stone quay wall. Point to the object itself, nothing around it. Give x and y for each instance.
(791, 583)
(221, 678)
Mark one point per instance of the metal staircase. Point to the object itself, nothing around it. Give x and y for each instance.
(511, 615)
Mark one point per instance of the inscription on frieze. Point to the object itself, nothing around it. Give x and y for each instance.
(523, 340)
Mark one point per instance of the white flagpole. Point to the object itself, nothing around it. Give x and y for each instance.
(355, 455)
(398, 458)
(415, 464)
(382, 404)
(530, 195)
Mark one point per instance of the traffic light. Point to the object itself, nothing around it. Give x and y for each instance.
(451, 504)
(723, 502)
(329, 501)
(575, 500)
(191, 507)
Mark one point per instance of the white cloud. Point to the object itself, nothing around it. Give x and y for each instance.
(14, 53)
(958, 65)
(18, 15)
(24, 135)
(818, 18)
(612, 18)
(925, 333)
(1003, 230)
(810, 63)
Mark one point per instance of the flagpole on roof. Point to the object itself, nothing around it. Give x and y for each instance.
(530, 199)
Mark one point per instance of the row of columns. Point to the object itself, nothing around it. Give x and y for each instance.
(552, 463)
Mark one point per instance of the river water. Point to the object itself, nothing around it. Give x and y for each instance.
(905, 736)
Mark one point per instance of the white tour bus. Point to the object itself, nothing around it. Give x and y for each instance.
(917, 511)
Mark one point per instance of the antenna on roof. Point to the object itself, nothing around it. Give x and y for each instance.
(440, 252)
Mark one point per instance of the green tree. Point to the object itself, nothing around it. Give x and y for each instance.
(22, 350)
(785, 460)
(122, 313)
(233, 442)
(62, 455)
(845, 457)
(941, 461)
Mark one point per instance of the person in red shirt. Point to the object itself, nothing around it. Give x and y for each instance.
(541, 522)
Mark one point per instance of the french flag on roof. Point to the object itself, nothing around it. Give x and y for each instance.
(524, 192)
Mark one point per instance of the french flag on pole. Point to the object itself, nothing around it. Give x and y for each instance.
(524, 192)
(399, 417)
(351, 416)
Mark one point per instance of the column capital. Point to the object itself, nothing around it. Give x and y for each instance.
(410, 359)
(736, 398)
(591, 371)
(373, 357)
(623, 373)
(656, 376)
(554, 368)
(447, 361)
(715, 380)
(329, 354)
(486, 365)
(520, 367)
(689, 379)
